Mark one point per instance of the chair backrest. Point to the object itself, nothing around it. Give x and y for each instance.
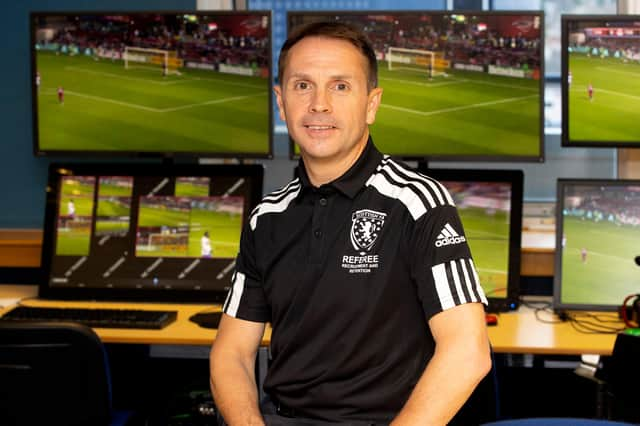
(622, 375)
(555, 421)
(53, 374)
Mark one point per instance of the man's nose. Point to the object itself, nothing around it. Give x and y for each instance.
(320, 102)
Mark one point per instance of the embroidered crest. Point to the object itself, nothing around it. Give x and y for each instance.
(365, 228)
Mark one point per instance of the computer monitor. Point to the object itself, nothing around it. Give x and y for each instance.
(597, 240)
(458, 86)
(490, 206)
(148, 232)
(152, 83)
(600, 89)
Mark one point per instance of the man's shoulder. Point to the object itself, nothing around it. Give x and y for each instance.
(419, 192)
(276, 201)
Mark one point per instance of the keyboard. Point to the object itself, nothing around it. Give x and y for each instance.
(98, 318)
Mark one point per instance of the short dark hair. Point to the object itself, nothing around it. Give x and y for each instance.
(335, 30)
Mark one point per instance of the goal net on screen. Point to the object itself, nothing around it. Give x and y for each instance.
(425, 61)
(165, 61)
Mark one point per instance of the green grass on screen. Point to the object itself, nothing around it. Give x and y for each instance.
(614, 112)
(109, 108)
(609, 273)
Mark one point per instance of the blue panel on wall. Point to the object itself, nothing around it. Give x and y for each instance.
(23, 176)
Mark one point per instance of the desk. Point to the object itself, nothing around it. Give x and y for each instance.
(517, 332)
(181, 332)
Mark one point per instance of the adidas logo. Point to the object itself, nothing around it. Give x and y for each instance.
(449, 236)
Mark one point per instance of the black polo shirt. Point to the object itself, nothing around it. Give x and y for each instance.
(349, 274)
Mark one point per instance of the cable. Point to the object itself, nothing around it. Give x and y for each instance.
(582, 322)
(589, 323)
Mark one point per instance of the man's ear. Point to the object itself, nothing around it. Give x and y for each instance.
(278, 92)
(374, 98)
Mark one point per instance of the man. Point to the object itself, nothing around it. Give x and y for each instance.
(71, 209)
(60, 95)
(370, 321)
(205, 245)
(590, 92)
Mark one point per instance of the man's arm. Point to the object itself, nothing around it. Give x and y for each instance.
(461, 359)
(232, 366)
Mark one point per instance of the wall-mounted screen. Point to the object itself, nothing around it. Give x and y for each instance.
(601, 80)
(152, 83)
(457, 86)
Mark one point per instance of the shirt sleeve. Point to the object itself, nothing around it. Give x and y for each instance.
(246, 298)
(442, 266)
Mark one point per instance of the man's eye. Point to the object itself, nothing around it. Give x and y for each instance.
(342, 86)
(302, 85)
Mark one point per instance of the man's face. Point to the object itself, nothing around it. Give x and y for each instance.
(324, 100)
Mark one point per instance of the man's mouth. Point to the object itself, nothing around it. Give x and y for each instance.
(318, 127)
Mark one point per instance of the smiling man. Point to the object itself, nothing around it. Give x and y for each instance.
(373, 321)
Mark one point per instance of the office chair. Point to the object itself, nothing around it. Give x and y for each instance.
(555, 421)
(621, 374)
(53, 374)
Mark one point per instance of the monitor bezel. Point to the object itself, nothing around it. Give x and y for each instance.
(516, 179)
(566, 140)
(38, 152)
(254, 172)
(558, 305)
(451, 157)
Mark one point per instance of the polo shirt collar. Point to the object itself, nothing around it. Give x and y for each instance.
(353, 180)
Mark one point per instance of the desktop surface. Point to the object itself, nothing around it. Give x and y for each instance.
(517, 332)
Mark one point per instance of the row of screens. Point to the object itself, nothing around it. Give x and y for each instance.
(154, 232)
(458, 86)
(157, 232)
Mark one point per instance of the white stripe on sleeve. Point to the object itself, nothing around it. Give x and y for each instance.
(483, 297)
(442, 286)
(235, 294)
(456, 280)
(468, 282)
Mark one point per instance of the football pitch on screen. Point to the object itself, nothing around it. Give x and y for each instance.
(488, 237)
(463, 113)
(608, 272)
(109, 108)
(615, 108)
(224, 231)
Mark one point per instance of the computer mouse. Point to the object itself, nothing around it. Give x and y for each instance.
(206, 319)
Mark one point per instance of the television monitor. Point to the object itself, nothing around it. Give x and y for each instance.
(147, 232)
(458, 86)
(600, 85)
(490, 206)
(597, 240)
(152, 83)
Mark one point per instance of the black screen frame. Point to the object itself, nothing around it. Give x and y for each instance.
(558, 305)
(38, 152)
(515, 178)
(452, 157)
(566, 140)
(254, 172)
